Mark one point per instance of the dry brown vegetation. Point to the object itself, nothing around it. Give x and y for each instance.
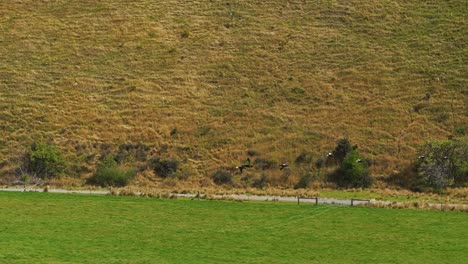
(206, 82)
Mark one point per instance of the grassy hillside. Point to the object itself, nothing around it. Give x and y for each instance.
(57, 228)
(207, 81)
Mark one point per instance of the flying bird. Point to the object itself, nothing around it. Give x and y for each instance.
(284, 165)
(245, 165)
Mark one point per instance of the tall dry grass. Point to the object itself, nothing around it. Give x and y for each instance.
(275, 77)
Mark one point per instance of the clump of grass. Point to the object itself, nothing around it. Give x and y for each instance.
(110, 174)
(165, 167)
(222, 177)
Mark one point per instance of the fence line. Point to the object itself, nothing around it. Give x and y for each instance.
(245, 197)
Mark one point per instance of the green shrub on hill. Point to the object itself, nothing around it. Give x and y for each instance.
(353, 172)
(45, 160)
(110, 174)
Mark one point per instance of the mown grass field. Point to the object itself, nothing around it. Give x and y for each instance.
(206, 81)
(55, 228)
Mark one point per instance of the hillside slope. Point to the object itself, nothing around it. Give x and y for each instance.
(207, 81)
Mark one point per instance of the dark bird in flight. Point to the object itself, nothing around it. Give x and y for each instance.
(284, 165)
(245, 165)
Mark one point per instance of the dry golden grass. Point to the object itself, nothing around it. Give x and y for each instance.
(276, 77)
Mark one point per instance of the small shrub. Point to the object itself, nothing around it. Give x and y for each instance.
(185, 34)
(182, 174)
(45, 160)
(110, 174)
(461, 130)
(113, 176)
(222, 177)
(165, 167)
(353, 172)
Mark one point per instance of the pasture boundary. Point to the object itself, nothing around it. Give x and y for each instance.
(248, 197)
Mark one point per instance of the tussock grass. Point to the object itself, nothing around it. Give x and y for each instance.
(207, 81)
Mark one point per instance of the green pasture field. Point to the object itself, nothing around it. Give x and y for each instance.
(64, 228)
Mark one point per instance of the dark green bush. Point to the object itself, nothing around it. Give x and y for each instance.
(110, 174)
(353, 172)
(45, 160)
(222, 177)
(165, 167)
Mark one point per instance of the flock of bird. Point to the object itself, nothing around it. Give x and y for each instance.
(248, 165)
(281, 166)
(286, 165)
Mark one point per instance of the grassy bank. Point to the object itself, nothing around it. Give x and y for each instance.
(207, 81)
